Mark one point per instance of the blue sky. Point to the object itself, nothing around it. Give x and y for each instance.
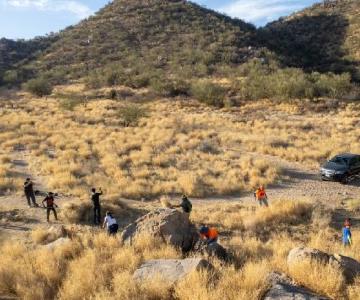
(29, 18)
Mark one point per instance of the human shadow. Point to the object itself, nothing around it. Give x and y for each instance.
(313, 43)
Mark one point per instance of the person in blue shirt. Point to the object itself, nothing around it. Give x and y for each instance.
(346, 233)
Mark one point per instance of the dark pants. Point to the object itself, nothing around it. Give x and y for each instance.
(48, 210)
(97, 214)
(31, 196)
(113, 229)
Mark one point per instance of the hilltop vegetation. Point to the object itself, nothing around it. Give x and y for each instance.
(167, 46)
(14, 54)
(324, 38)
(174, 37)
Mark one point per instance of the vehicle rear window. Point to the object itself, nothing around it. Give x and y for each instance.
(339, 160)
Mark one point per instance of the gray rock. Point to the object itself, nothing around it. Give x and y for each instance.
(350, 268)
(283, 288)
(172, 225)
(59, 242)
(169, 270)
(55, 232)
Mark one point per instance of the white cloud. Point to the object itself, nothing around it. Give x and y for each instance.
(259, 10)
(78, 9)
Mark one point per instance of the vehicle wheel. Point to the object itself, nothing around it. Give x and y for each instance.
(345, 179)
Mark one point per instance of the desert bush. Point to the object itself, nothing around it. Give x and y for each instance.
(70, 102)
(263, 81)
(39, 87)
(131, 114)
(11, 77)
(81, 212)
(94, 80)
(323, 279)
(209, 93)
(169, 87)
(280, 212)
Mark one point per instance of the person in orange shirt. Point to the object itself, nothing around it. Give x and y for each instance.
(260, 195)
(209, 235)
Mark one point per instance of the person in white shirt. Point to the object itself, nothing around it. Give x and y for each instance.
(110, 223)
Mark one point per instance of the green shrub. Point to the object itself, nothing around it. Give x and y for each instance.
(131, 114)
(39, 87)
(94, 81)
(112, 94)
(170, 87)
(71, 102)
(11, 77)
(209, 93)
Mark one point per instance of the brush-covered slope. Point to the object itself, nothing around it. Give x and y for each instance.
(172, 35)
(324, 37)
(13, 53)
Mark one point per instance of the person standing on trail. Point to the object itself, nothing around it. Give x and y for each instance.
(29, 192)
(185, 205)
(95, 198)
(50, 206)
(346, 233)
(260, 195)
(111, 224)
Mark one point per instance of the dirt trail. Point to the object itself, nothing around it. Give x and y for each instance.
(16, 218)
(297, 182)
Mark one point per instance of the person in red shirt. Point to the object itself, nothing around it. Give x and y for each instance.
(50, 206)
(260, 195)
(209, 235)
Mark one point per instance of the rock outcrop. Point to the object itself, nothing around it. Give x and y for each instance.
(283, 288)
(59, 242)
(169, 270)
(349, 267)
(171, 225)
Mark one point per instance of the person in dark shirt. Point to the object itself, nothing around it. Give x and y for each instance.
(95, 198)
(29, 192)
(185, 205)
(50, 206)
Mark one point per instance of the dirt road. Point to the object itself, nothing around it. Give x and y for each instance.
(297, 182)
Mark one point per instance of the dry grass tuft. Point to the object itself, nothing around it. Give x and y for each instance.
(279, 212)
(323, 279)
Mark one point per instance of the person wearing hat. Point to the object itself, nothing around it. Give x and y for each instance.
(50, 205)
(208, 235)
(111, 223)
(185, 205)
(29, 192)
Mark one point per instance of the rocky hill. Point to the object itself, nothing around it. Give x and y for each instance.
(14, 53)
(324, 37)
(171, 36)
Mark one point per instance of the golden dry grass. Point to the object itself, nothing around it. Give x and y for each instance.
(95, 266)
(180, 147)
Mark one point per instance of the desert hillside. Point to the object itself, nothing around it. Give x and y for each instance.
(324, 37)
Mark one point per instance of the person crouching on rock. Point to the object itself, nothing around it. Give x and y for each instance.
(346, 233)
(208, 235)
(50, 206)
(110, 223)
(185, 205)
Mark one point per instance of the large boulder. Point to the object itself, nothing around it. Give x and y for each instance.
(59, 242)
(214, 250)
(283, 288)
(349, 267)
(169, 270)
(171, 225)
